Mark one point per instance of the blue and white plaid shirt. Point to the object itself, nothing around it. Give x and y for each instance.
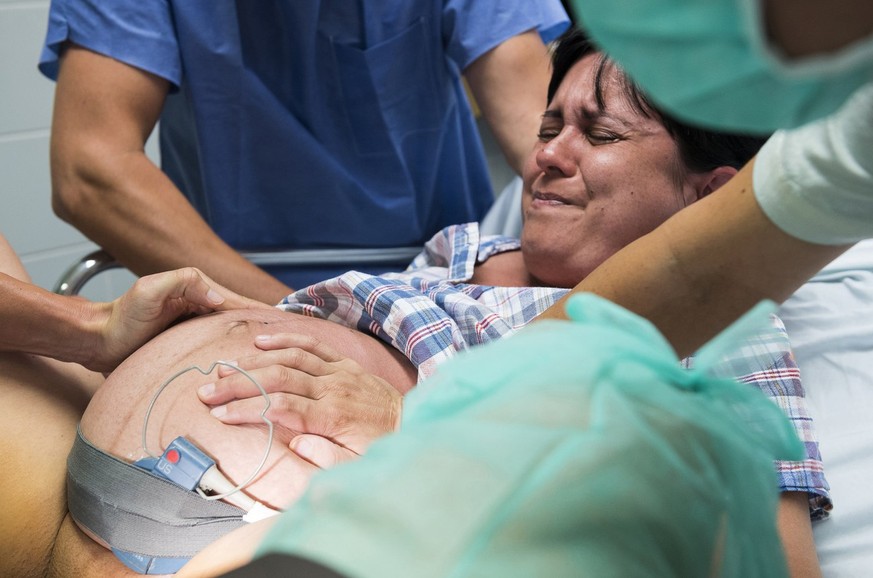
(431, 311)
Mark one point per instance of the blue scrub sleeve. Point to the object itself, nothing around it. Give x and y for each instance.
(472, 27)
(139, 33)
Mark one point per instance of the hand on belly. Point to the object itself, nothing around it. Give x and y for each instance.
(114, 419)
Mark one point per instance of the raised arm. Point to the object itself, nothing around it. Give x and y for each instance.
(104, 184)
(705, 266)
(510, 83)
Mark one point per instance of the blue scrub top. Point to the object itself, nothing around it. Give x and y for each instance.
(313, 123)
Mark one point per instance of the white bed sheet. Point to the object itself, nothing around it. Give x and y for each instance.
(830, 324)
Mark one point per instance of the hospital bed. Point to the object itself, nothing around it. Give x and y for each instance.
(503, 218)
(830, 323)
(96, 262)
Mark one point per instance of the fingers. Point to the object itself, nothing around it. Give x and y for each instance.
(292, 358)
(154, 302)
(308, 393)
(310, 344)
(302, 356)
(299, 341)
(197, 288)
(289, 411)
(354, 421)
(320, 451)
(274, 378)
(157, 300)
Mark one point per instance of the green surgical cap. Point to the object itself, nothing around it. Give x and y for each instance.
(575, 448)
(707, 62)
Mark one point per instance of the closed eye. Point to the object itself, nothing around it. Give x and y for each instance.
(545, 135)
(599, 136)
(551, 125)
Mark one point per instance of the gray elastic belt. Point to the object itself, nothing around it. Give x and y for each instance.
(134, 511)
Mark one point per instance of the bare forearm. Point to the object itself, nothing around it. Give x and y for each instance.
(40, 322)
(104, 184)
(510, 84)
(795, 530)
(806, 28)
(129, 207)
(705, 266)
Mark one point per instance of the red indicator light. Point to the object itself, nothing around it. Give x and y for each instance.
(172, 456)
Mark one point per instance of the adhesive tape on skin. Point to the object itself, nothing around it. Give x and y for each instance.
(259, 512)
(707, 63)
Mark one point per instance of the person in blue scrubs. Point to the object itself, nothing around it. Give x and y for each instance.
(293, 124)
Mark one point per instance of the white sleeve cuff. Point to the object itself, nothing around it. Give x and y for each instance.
(816, 182)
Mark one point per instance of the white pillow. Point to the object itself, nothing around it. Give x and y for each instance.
(504, 217)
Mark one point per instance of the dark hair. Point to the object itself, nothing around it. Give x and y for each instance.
(700, 149)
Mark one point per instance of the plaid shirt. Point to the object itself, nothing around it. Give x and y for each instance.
(431, 311)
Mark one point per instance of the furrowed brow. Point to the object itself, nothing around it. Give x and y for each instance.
(593, 115)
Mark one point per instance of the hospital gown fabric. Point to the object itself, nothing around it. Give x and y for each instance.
(525, 458)
(431, 311)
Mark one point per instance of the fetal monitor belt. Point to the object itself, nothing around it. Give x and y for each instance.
(135, 511)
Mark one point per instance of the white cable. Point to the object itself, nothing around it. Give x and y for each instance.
(214, 481)
(263, 414)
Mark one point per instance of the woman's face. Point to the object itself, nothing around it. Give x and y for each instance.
(596, 179)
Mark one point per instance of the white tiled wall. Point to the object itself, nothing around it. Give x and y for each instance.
(45, 244)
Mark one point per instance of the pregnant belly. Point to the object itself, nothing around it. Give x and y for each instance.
(115, 417)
